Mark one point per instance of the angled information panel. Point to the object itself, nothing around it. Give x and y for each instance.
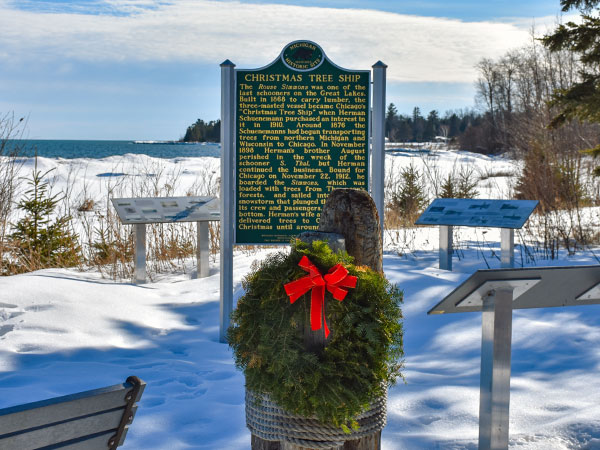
(496, 293)
(536, 287)
(477, 213)
(166, 209)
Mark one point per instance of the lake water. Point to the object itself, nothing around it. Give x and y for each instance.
(70, 149)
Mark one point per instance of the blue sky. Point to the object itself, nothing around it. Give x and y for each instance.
(146, 69)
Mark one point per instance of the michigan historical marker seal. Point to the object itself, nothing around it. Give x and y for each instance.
(302, 55)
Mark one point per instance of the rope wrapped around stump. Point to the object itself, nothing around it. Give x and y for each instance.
(269, 421)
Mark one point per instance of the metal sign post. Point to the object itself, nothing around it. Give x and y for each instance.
(504, 214)
(496, 333)
(446, 247)
(496, 293)
(507, 247)
(202, 249)
(227, 196)
(139, 263)
(378, 140)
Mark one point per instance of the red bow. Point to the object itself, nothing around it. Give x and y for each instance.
(336, 279)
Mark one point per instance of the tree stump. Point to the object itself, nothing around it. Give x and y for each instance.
(353, 214)
(349, 219)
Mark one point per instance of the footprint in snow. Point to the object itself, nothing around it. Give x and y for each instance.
(7, 315)
(191, 395)
(428, 420)
(5, 329)
(189, 381)
(39, 308)
(28, 348)
(153, 402)
(146, 366)
(179, 350)
(219, 375)
(7, 305)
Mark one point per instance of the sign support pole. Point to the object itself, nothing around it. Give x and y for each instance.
(140, 254)
(202, 249)
(227, 196)
(446, 247)
(494, 400)
(507, 247)
(378, 140)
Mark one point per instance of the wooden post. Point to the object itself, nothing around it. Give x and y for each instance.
(349, 218)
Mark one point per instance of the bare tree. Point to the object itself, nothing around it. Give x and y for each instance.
(11, 144)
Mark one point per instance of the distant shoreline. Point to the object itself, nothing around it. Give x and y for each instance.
(174, 142)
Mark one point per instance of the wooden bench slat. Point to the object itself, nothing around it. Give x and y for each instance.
(98, 442)
(63, 408)
(65, 431)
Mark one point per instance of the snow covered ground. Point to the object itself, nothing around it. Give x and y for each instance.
(63, 331)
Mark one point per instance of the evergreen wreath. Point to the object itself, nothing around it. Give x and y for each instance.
(364, 352)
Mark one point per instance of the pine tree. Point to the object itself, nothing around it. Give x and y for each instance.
(203, 132)
(418, 124)
(391, 122)
(410, 200)
(431, 126)
(582, 100)
(39, 241)
(461, 185)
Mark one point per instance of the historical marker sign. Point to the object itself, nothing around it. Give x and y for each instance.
(301, 130)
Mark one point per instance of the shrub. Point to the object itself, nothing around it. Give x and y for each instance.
(39, 241)
(408, 199)
(461, 185)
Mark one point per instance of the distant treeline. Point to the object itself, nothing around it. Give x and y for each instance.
(398, 127)
(454, 126)
(202, 131)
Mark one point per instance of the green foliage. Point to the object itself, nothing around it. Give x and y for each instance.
(595, 152)
(461, 185)
(203, 132)
(39, 241)
(581, 100)
(364, 350)
(554, 183)
(410, 199)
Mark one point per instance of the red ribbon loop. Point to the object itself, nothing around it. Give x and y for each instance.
(335, 280)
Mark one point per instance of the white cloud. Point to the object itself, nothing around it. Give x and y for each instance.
(415, 48)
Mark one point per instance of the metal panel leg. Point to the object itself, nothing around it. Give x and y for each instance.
(227, 197)
(139, 263)
(507, 247)
(446, 247)
(202, 249)
(495, 370)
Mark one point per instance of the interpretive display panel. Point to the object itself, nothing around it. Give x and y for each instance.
(167, 209)
(542, 287)
(302, 130)
(477, 213)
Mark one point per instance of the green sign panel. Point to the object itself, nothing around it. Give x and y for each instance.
(302, 130)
